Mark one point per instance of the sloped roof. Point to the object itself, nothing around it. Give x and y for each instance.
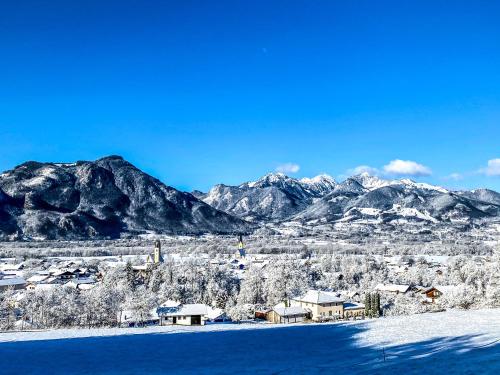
(318, 297)
(291, 311)
(394, 288)
(353, 306)
(37, 278)
(187, 309)
(12, 281)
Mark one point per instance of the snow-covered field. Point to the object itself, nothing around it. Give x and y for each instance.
(454, 342)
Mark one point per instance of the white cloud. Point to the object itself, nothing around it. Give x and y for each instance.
(406, 168)
(493, 168)
(363, 169)
(454, 177)
(288, 168)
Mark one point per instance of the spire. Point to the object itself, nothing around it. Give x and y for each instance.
(241, 247)
(157, 258)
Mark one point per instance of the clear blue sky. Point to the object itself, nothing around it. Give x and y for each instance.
(202, 92)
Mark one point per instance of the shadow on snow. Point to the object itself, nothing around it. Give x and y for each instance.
(282, 350)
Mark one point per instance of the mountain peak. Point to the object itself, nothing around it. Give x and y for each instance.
(371, 182)
(321, 178)
(269, 178)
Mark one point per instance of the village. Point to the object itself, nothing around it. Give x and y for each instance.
(162, 288)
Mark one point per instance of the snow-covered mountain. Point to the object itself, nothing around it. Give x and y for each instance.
(103, 198)
(110, 197)
(362, 198)
(275, 196)
(320, 185)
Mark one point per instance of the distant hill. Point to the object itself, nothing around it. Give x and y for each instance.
(100, 199)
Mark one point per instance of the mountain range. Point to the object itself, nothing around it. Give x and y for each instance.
(110, 197)
(277, 198)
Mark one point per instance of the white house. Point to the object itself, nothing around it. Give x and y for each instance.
(323, 305)
(188, 314)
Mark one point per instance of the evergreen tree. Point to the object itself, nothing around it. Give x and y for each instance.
(377, 304)
(374, 310)
(368, 304)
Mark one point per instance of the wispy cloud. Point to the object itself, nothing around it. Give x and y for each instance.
(363, 169)
(288, 168)
(454, 177)
(400, 167)
(493, 168)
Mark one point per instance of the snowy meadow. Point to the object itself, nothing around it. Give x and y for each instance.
(455, 341)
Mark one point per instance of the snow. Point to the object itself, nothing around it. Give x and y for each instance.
(316, 296)
(393, 288)
(320, 179)
(12, 281)
(290, 311)
(422, 185)
(452, 342)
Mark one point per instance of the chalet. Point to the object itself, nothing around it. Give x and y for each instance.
(190, 314)
(292, 314)
(323, 305)
(12, 283)
(431, 294)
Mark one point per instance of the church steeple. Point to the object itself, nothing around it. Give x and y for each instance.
(241, 247)
(157, 258)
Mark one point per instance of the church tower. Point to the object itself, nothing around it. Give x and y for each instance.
(241, 247)
(157, 258)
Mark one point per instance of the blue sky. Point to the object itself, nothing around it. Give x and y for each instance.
(197, 92)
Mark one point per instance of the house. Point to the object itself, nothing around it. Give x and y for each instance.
(189, 314)
(262, 313)
(38, 278)
(431, 294)
(392, 288)
(323, 305)
(82, 283)
(292, 314)
(63, 276)
(14, 283)
(354, 310)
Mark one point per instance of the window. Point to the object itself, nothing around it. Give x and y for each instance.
(330, 312)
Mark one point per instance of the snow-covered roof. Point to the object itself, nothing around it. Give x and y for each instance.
(62, 272)
(170, 303)
(188, 309)
(83, 280)
(394, 288)
(319, 297)
(82, 283)
(12, 281)
(37, 278)
(353, 306)
(291, 311)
